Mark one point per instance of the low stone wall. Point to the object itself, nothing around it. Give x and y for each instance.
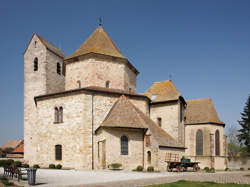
(239, 162)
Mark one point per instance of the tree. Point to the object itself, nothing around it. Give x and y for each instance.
(233, 144)
(244, 132)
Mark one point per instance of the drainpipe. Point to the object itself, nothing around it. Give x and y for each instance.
(92, 131)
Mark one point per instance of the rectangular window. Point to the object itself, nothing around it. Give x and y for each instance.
(159, 121)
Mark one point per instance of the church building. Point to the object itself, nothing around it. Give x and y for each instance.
(83, 112)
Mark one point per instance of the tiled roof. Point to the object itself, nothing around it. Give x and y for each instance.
(125, 114)
(19, 149)
(51, 46)
(201, 111)
(98, 42)
(12, 144)
(162, 91)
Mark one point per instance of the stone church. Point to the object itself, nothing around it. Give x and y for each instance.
(83, 111)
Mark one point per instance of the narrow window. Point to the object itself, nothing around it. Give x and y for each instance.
(36, 64)
(181, 112)
(58, 152)
(79, 84)
(147, 140)
(159, 121)
(107, 84)
(149, 157)
(217, 143)
(35, 43)
(124, 145)
(199, 142)
(56, 115)
(61, 114)
(58, 68)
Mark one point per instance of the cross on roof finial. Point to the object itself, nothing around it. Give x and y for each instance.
(100, 21)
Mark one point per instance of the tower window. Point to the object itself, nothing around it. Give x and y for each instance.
(79, 84)
(107, 84)
(58, 152)
(159, 121)
(124, 145)
(36, 64)
(35, 44)
(58, 115)
(181, 112)
(58, 68)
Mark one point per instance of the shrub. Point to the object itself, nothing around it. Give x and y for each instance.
(227, 169)
(242, 169)
(211, 170)
(150, 169)
(26, 166)
(115, 165)
(36, 166)
(139, 168)
(58, 166)
(248, 168)
(17, 164)
(52, 166)
(206, 169)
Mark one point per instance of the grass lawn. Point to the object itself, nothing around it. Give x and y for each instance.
(183, 183)
(5, 182)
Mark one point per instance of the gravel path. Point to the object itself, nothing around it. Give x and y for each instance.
(48, 177)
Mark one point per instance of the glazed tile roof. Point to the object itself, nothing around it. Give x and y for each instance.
(125, 114)
(98, 42)
(162, 91)
(201, 111)
(12, 144)
(51, 46)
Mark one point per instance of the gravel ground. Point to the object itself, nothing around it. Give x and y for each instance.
(48, 177)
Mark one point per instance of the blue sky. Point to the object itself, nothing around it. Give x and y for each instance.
(203, 44)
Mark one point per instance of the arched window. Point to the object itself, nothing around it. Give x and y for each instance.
(199, 142)
(61, 114)
(36, 64)
(79, 84)
(58, 151)
(217, 143)
(107, 84)
(124, 145)
(56, 115)
(149, 157)
(58, 68)
(159, 121)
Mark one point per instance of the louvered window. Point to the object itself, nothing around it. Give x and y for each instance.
(124, 145)
(36, 64)
(58, 152)
(217, 143)
(199, 142)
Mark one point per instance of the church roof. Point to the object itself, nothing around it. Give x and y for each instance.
(12, 144)
(201, 111)
(124, 114)
(19, 149)
(98, 42)
(50, 46)
(162, 91)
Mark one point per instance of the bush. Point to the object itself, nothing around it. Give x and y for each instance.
(17, 164)
(212, 170)
(227, 169)
(36, 166)
(58, 166)
(242, 169)
(139, 168)
(52, 166)
(150, 169)
(248, 168)
(115, 165)
(26, 166)
(206, 169)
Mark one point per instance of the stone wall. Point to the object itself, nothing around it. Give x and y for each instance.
(170, 122)
(96, 71)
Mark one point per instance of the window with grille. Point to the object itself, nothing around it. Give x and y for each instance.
(124, 145)
(199, 142)
(217, 143)
(58, 152)
(36, 64)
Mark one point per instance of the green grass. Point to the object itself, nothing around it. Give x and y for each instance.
(183, 183)
(247, 175)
